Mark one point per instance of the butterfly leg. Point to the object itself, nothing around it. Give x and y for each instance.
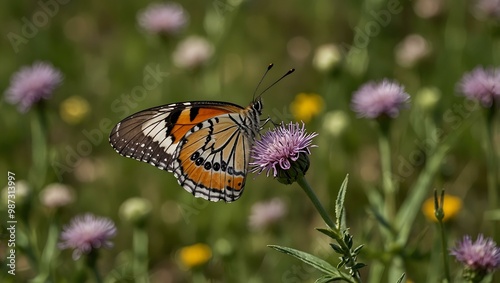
(265, 121)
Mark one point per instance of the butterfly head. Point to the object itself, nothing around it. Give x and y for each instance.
(257, 105)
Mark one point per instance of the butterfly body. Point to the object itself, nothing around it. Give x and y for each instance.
(206, 144)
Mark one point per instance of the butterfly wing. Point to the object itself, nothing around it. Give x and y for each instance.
(155, 136)
(213, 158)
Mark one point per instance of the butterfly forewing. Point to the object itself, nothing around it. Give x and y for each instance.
(206, 144)
(146, 136)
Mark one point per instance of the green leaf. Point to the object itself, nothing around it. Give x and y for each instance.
(341, 263)
(381, 219)
(337, 248)
(327, 278)
(358, 249)
(493, 215)
(401, 278)
(348, 240)
(339, 205)
(358, 265)
(420, 189)
(330, 233)
(310, 259)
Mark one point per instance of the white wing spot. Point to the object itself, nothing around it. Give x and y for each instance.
(156, 128)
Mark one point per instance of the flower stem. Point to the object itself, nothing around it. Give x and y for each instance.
(439, 213)
(39, 147)
(493, 186)
(314, 199)
(140, 265)
(444, 247)
(91, 262)
(385, 160)
(37, 177)
(329, 222)
(49, 252)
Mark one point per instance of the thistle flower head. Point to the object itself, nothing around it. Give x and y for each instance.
(86, 233)
(266, 213)
(192, 53)
(56, 195)
(135, 210)
(283, 150)
(482, 85)
(479, 258)
(411, 50)
(164, 18)
(488, 8)
(32, 84)
(374, 100)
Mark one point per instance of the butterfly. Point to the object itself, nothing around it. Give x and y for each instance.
(205, 144)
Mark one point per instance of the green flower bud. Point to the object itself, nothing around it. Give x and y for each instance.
(135, 210)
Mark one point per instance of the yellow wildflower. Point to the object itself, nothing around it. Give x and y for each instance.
(195, 255)
(74, 109)
(306, 105)
(451, 207)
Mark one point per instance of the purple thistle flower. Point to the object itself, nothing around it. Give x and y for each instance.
(266, 213)
(374, 100)
(488, 8)
(480, 257)
(32, 84)
(482, 85)
(164, 18)
(87, 232)
(282, 149)
(192, 53)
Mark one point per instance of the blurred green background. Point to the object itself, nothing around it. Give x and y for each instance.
(103, 54)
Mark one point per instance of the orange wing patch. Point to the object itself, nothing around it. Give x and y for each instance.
(213, 159)
(192, 116)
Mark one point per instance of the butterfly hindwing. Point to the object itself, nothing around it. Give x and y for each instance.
(213, 159)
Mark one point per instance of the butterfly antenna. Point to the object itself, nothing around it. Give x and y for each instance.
(261, 79)
(277, 81)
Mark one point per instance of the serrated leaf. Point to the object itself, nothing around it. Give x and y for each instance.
(329, 232)
(343, 223)
(358, 265)
(401, 278)
(358, 249)
(339, 204)
(348, 240)
(337, 248)
(327, 278)
(310, 259)
(341, 264)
